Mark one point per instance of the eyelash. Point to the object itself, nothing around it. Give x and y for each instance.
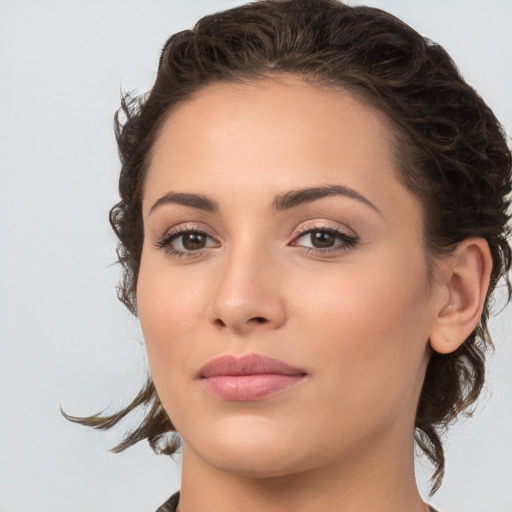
(165, 242)
(347, 241)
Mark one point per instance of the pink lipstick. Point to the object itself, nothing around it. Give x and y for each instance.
(249, 377)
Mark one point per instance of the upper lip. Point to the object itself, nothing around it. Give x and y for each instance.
(247, 364)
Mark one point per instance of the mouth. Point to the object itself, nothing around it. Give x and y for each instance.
(249, 377)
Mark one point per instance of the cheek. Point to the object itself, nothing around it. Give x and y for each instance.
(369, 327)
(171, 308)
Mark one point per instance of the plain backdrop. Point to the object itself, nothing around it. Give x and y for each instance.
(65, 339)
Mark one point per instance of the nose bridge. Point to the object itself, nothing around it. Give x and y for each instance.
(247, 295)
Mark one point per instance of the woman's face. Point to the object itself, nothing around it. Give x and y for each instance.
(275, 225)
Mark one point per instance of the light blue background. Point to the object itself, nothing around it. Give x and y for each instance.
(65, 339)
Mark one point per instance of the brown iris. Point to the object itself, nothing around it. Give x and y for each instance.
(193, 241)
(322, 240)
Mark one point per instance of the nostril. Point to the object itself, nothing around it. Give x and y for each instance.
(240, 324)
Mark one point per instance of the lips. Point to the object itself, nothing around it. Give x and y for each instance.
(249, 377)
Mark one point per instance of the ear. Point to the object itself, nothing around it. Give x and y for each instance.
(464, 283)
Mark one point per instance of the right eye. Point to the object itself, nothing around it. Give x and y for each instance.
(186, 243)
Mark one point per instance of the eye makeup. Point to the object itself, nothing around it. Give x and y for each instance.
(190, 241)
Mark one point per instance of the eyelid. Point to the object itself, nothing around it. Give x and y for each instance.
(185, 227)
(327, 225)
(164, 242)
(347, 238)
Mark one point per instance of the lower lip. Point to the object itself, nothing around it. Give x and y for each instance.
(246, 388)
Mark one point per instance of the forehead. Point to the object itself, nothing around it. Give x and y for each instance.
(283, 107)
(272, 135)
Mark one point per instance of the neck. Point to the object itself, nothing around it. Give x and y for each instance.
(374, 481)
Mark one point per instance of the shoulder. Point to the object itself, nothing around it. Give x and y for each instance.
(172, 503)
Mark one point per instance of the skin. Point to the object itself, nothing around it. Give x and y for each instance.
(356, 317)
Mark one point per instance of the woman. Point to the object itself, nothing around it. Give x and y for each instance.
(313, 219)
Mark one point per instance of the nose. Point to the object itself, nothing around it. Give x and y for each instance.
(247, 295)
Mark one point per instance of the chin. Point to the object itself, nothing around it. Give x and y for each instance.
(263, 463)
(251, 452)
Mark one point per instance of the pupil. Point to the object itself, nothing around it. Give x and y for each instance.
(193, 241)
(321, 239)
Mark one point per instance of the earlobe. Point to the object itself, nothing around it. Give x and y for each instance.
(466, 282)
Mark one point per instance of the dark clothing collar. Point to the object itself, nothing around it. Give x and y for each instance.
(172, 503)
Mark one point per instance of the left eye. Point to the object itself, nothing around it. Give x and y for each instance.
(322, 239)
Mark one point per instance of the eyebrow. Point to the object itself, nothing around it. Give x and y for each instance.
(308, 195)
(192, 200)
(281, 202)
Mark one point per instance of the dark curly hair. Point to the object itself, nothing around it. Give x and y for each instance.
(452, 153)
